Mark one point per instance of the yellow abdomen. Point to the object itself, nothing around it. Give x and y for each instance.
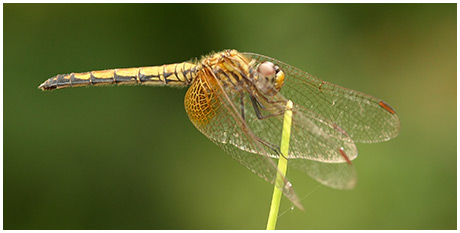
(173, 74)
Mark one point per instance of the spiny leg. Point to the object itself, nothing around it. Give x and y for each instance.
(242, 106)
(257, 105)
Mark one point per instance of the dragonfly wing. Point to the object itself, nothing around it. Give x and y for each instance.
(226, 128)
(334, 175)
(365, 118)
(317, 146)
(234, 126)
(316, 138)
(312, 137)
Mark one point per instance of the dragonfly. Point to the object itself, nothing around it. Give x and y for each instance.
(237, 100)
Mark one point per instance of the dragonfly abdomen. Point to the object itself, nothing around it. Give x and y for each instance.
(173, 74)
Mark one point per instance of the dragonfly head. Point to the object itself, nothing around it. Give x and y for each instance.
(270, 78)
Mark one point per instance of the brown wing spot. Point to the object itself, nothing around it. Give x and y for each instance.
(387, 107)
(344, 155)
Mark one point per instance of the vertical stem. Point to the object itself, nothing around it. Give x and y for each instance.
(282, 166)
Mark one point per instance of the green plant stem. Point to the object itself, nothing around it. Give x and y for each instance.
(282, 167)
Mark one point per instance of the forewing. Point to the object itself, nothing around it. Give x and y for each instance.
(312, 137)
(365, 118)
(252, 140)
(334, 175)
(317, 147)
(227, 129)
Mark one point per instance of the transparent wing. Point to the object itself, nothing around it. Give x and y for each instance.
(235, 127)
(224, 126)
(317, 147)
(365, 118)
(334, 175)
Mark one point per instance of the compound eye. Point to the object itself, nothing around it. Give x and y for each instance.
(267, 69)
(279, 80)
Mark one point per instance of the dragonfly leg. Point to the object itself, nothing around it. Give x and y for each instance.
(271, 101)
(272, 147)
(242, 106)
(258, 106)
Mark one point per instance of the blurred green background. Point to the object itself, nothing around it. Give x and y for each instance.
(129, 158)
